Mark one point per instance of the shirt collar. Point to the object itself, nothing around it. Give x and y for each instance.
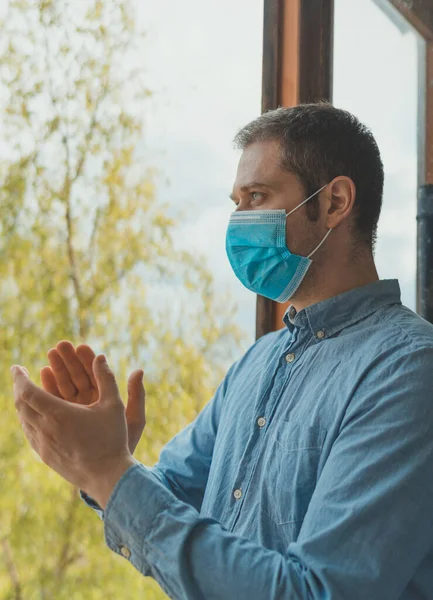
(334, 314)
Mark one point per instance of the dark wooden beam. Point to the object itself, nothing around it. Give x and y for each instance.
(428, 148)
(272, 29)
(297, 68)
(424, 299)
(419, 13)
(424, 296)
(272, 51)
(316, 50)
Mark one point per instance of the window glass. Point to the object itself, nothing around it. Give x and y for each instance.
(376, 76)
(206, 78)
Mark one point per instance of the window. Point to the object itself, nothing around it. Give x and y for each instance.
(377, 55)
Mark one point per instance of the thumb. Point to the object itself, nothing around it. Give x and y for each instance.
(106, 382)
(135, 407)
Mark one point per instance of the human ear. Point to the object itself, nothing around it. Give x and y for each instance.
(341, 193)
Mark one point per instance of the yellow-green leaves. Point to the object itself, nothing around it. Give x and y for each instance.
(86, 254)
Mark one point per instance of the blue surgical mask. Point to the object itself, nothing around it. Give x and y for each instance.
(257, 251)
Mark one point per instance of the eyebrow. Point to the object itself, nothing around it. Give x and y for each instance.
(250, 186)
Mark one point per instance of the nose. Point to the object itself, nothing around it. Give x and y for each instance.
(243, 205)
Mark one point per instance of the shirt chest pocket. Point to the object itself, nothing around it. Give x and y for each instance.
(290, 469)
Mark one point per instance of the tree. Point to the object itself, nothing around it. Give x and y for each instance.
(85, 249)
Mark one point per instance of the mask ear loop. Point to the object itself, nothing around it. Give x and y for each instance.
(306, 200)
(322, 242)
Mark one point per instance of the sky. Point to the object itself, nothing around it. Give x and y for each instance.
(204, 63)
(204, 66)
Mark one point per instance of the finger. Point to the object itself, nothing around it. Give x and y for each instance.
(48, 381)
(26, 392)
(107, 386)
(75, 367)
(63, 379)
(136, 405)
(87, 356)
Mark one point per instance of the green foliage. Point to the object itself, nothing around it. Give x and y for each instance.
(86, 254)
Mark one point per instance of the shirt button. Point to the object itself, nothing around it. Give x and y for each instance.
(237, 494)
(290, 358)
(125, 552)
(261, 421)
(320, 334)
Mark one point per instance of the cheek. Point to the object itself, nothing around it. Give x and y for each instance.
(301, 235)
(296, 232)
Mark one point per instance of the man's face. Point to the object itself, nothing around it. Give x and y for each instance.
(262, 184)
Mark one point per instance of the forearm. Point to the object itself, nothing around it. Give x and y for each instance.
(193, 557)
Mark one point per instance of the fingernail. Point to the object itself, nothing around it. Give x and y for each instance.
(103, 359)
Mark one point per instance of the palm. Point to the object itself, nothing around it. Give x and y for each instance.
(85, 397)
(70, 376)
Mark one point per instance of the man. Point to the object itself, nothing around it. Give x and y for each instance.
(310, 473)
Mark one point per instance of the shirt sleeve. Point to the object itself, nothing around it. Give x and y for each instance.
(368, 527)
(184, 463)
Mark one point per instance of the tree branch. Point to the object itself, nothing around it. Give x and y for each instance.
(66, 197)
(65, 193)
(89, 134)
(93, 238)
(64, 558)
(100, 290)
(12, 569)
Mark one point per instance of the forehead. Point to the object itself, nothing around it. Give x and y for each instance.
(261, 162)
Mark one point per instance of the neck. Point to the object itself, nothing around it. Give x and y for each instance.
(322, 283)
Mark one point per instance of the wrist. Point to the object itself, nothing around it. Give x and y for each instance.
(102, 485)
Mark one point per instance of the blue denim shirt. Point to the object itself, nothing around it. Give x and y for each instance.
(308, 475)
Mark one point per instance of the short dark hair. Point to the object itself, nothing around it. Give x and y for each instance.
(319, 142)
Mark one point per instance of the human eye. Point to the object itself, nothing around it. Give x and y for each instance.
(257, 196)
